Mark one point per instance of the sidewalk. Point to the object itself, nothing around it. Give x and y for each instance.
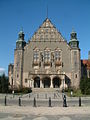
(45, 110)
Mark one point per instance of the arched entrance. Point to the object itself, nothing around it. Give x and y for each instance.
(46, 82)
(37, 82)
(56, 82)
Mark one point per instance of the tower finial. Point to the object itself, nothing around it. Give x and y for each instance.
(47, 11)
(21, 28)
(73, 29)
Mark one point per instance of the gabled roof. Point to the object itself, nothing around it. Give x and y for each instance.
(47, 32)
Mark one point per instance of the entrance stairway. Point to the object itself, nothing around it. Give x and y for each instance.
(38, 90)
(45, 93)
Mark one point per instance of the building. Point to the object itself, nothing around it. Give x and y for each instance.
(47, 60)
(10, 74)
(85, 67)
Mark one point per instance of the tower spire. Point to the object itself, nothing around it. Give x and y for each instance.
(21, 28)
(73, 29)
(47, 11)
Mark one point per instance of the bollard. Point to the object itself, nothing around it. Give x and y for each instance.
(34, 102)
(49, 102)
(5, 101)
(13, 93)
(79, 101)
(64, 101)
(19, 101)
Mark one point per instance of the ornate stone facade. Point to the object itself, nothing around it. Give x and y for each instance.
(47, 60)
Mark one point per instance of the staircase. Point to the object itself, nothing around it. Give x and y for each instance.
(45, 93)
(38, 90)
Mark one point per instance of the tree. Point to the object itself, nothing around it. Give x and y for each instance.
(85, 85)
(4, 84)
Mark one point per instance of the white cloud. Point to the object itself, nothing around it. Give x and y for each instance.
(2, 70)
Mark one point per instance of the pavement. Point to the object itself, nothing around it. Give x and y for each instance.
(44, 113)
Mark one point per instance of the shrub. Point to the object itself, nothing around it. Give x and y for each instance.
(23, 90)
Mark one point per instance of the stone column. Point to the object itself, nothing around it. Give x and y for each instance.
(41, 85)
(32, 83)
(62, 86)
(51, 86)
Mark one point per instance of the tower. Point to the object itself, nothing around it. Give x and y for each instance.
(89, 55)
(75, 60)
(18, 60)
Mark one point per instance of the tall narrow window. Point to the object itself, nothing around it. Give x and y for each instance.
(36, 55)
(47, 55)
(57, 55)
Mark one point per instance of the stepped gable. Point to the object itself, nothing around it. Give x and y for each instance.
(47, 32)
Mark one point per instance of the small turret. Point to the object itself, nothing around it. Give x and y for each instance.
(74, 43)
(20, 43)
(21, 35)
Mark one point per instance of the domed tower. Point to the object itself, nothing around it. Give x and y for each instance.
(18, 60)
(74, 43)
(75, 60)
(20, 43)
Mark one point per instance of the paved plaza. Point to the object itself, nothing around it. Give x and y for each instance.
(44, 113)
(42, 100)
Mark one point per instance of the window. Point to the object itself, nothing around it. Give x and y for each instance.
(57, 55)
(36, 55)
(75, 75)
(17, 75)
(41, 36)
(46, 36)
(46, 30)
(47, 24)
(25, 80)
(52, 36)
(47, 55)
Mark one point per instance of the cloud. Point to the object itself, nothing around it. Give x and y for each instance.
(2, 70)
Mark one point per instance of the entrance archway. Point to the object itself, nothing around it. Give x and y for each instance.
(37, 82)
(46, 82)
(56, 82)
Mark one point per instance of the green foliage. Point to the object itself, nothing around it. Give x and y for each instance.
(23, 90)
(4, 84)
(85, 85)
(75, 92)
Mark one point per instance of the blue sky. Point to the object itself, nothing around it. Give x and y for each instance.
(29, 14)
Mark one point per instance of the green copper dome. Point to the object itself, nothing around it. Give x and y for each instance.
(74, 43)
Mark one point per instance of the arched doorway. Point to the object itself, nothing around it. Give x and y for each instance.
(46, 82)
(56, 82)
(37, 82)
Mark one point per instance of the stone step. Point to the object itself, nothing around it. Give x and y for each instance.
(38, 90)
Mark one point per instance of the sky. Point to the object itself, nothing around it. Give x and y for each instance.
(30, 14)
